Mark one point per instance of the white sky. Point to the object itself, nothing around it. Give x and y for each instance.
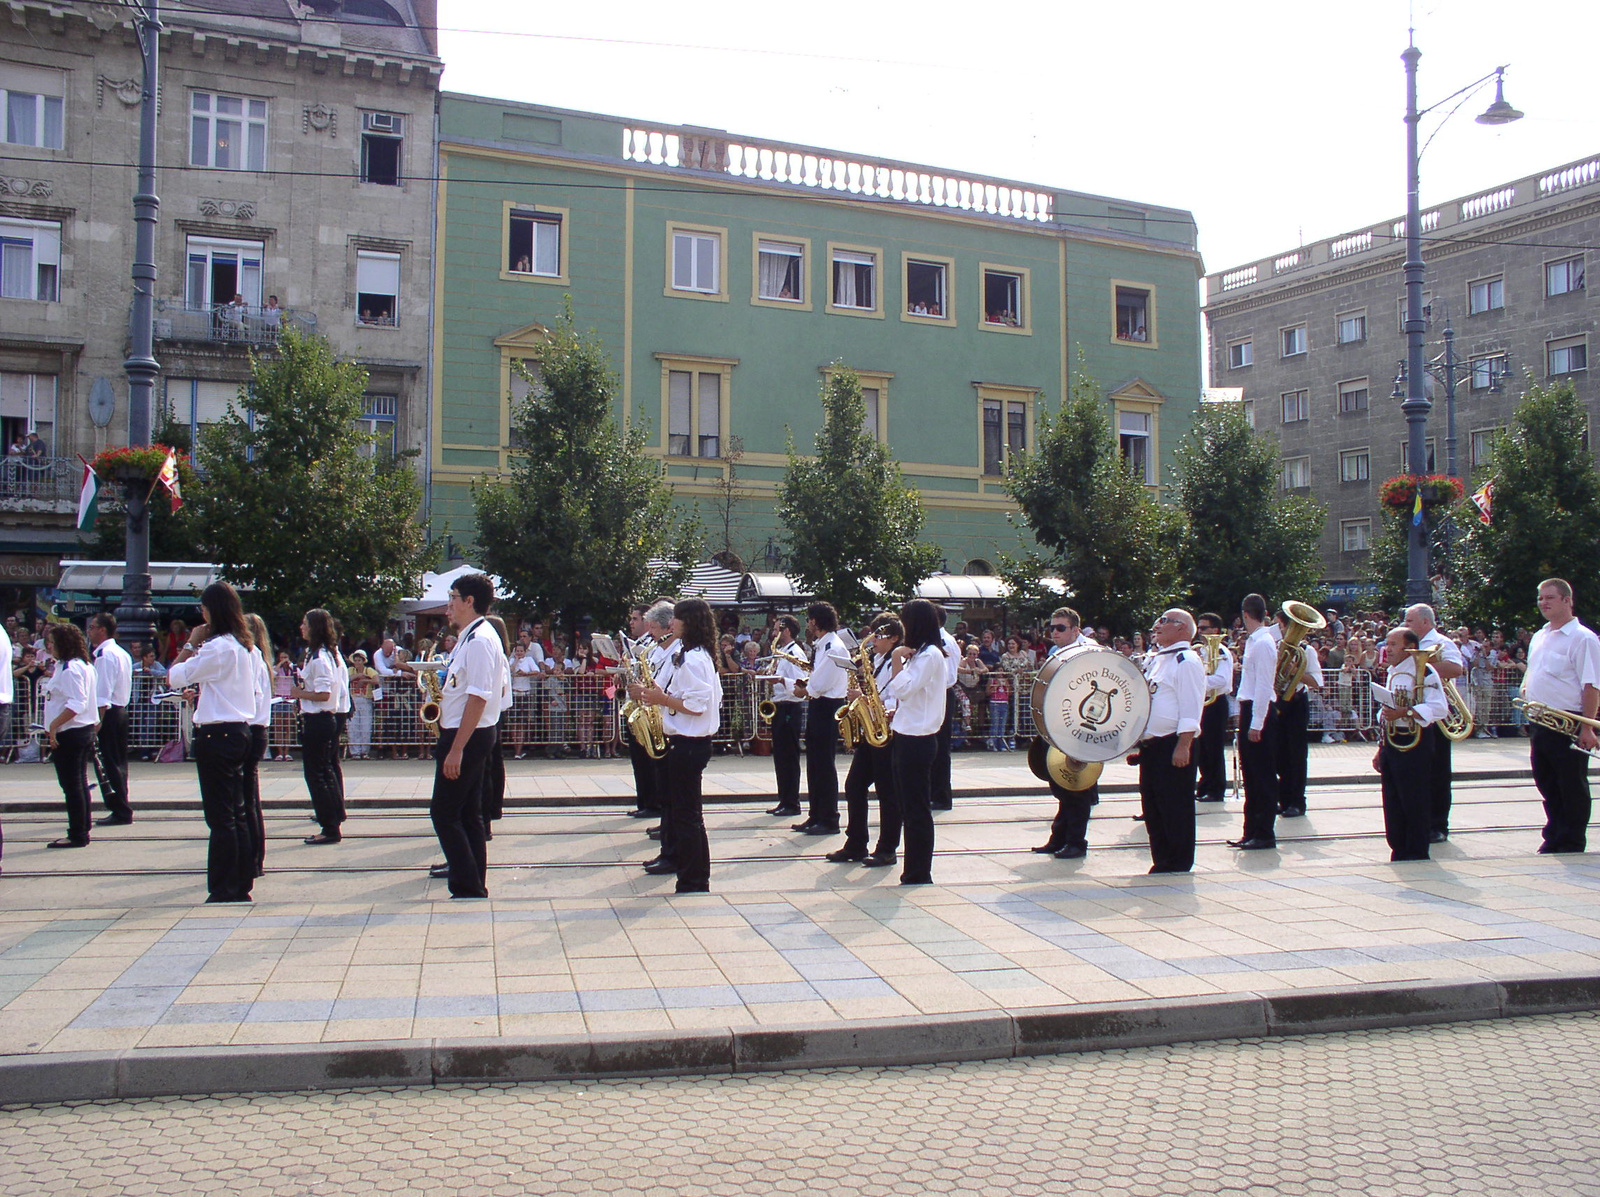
(1274, 121)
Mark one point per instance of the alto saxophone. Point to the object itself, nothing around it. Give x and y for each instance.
(430, 681)
(645, 722)
(865, 717)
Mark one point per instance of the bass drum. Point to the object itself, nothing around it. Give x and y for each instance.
(1091, 703)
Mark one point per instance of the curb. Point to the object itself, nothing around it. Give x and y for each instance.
(162, 1072)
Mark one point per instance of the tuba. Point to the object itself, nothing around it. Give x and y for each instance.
(1303, 620)
(645, 723)
(1213, 653)
(1565, 722)
(864, 718)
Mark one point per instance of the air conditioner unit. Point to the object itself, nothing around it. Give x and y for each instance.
(382, 122)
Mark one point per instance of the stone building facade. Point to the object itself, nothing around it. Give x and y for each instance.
(1312, 338)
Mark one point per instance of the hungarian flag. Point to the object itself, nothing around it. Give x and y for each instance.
(88, 497)
(1483, 500)
(168, 477)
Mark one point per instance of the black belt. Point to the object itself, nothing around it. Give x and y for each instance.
(219, 725)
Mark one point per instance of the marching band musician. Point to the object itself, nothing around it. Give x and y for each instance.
(1211, 744)
(324, 693)
(71, 713)
(690, 692)
(917, 689)
(788, 708)
(872, 767)
(824, 691)
(1563, 674)
(1291, 746)
(658, 623)
(1069, 830)
(1256, 730)
(943, 798)
(644, 635)
(113, 670)
(1177, 679)
(1448, 661)
(1408, 772)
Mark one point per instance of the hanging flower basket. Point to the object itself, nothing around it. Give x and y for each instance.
(1400, 492)
(133, 463)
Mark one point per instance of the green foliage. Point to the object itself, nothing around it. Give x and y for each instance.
(848, 513)
(1244, 534)
(1105, 534)
(172, 534)
(292, 510)
(1546, 512)
(572, 531)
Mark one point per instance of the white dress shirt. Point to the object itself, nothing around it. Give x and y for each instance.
(882, 671)
(828, 678)
(1561, 662)
(321, 676)
(1431, 705)
(113, 673)
(1449, 652)
(1256, 675)
(788, 672)
(1177, 678)
(918, 693)
(692, 679)
(262, 678)
(477, 669)
(7, 683)
(221, 668)
(952, 653)
(71, 687)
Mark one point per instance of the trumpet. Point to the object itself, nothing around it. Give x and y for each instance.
(1565, 722)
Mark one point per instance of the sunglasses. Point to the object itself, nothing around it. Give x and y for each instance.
(1059, 627)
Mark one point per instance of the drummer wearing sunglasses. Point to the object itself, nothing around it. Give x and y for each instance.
(1069, 829)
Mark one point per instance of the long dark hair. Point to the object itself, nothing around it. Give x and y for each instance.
(66, 642)
(922, 623)
(699, 627)
(225, 613)
(320, 624)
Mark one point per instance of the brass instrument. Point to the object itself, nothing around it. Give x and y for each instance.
(1405, 733)
(1564, 722)
(1303, 620)
(430, 681)
(1457, 723)
(767, 709)
(1049, 763)
(644, 722)
(1213, 653)
(864, 717)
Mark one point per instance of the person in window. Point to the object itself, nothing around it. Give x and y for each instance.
(36, 449)
(232, 316)
(272, 315)
(524, 265)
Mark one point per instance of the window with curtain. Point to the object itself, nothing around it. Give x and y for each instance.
(680, 412)
(1134, 434)
(377, 288)
(32, 107)
(30, 260)
(28, 404)
(870, 397)
(227, 132)
(1005, 430)
(219, 269)
(533, 244)
(694, 261)
(779, 267)
(854, 280)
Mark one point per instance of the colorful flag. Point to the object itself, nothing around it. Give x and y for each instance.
(1416, 508)
(1483, 500)
(88, 497)
(168, 477)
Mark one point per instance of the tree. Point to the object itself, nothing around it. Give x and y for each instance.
(573, 530)
(848, 514)
(296, 507)
(1244, 534)
(1545, 511)
(1106, 535)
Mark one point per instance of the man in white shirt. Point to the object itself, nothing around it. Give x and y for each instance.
(1256, 729)
(1292, 745)
(113, 669)
(1210, 754)
(469, 709)
(647, 626)
(788, 710)
(1069, 838)
(1420, 619)
(1563, 674)
(1408, 772)
(824, 691)
(1166, 752)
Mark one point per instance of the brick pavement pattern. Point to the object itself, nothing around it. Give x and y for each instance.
(1477, 1107)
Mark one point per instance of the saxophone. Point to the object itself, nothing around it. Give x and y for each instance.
(865, 717)
(644, 721)
(430, 681)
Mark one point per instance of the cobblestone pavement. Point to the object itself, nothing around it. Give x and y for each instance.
(1501, 1107)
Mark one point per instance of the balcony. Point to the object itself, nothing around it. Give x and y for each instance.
(225, 324)
(40, 483)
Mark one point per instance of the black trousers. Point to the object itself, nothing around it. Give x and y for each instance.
(1166, 795)
(71, 759)
(822, 774)
(1291, 747)
(113, 736)
(1407, 798)
(1260, 777)
(912, 759)
(494, 776)
(1439, 793)
(252, 790)
(221, 751)
(941, 760)
(1070, 827)
(1210, 750)
(872, 768)
(1562, 776)
(457, 811)
(691, 850)
(319, 743)
(786, 751)
(646, 775)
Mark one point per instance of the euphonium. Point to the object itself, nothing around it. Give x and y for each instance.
(865, 717)
(1457, 723)
(645, 723)
(1213, 651)
(1565, 722)
(430, 681)
(1303, 620)
(1405, 734)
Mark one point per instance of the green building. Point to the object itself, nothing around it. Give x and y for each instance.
(725, 275)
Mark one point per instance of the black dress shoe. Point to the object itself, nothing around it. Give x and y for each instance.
(644, 812)
(114, 821)
(782, 810)
(1438, 837)
(877, 860)
(439, 871)
(938, 806)
(1072, 852)
(1293, 812)
(1254, 843)
(1139, 818)
(1154, 869)
(916, 880)
(660, 867)
(69, 843)
(1203, 798)
(654, 832)
(1047, 849)
(322, 838)
(813, 827)
(684, 887)
(847, 855)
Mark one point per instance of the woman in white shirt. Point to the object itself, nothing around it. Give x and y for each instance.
(71, 712)
(324, 682)
(217, 659)
(917, 689)
(688, 687)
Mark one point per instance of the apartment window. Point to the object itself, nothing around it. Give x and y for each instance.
(30, 260)
(377, 288)
(1294, 340)
(1136, 440)
(1240, 354)
(533, 242)
(780, 271)
(28, 404)
(1352, 328)
(227, 132)
(1483, 445)
(1354, 465)
(1296, 472)
(198, 403)
(1487, 371)
(1405, 458)
(855, 280)
(1352, 396)
(696, 262)
(694, 413)
(1002, 299)
(219, 269)
(1296, 406)
(32, 106)
(927, 287)
(1005, 430)
(1355, 536)
(1567, 356)
(1133, 314)
(1250, 412)
(1563, 277)
(377, 421)
(382, 135)
(1486, 295)
(1427, 309)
